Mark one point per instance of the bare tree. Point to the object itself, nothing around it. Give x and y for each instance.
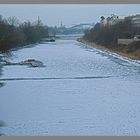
(13, 21)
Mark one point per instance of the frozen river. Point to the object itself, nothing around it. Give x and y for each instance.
(80, 91)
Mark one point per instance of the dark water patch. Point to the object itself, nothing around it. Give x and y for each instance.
(2, 84)
(2, 124)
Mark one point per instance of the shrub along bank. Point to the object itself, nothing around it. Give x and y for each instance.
(14, 34)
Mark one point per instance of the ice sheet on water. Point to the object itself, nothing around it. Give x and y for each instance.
(54, 100)
(58, 107)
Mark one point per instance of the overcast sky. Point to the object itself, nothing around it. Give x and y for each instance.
(69, 14)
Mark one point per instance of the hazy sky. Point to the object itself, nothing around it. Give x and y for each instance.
(53, 14)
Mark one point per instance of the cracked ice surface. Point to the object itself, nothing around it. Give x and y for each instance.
(81, 91)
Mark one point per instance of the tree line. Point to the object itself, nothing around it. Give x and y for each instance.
(108, 34)
(14, 34)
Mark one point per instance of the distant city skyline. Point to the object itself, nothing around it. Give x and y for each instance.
(67, 14)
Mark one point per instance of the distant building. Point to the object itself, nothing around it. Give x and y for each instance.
(113, 19)
(136, 20)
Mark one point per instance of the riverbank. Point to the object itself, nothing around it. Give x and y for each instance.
(120, 50)
(18, 35)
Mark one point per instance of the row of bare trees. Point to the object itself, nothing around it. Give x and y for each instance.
(108, 35)
(14, 34)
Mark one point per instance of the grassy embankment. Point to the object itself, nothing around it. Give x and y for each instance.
(131, 51)
(108, 35)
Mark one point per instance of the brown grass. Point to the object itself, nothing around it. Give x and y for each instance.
(131, 51)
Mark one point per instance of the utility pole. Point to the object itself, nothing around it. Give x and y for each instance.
(38, 21)
(61, 24)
